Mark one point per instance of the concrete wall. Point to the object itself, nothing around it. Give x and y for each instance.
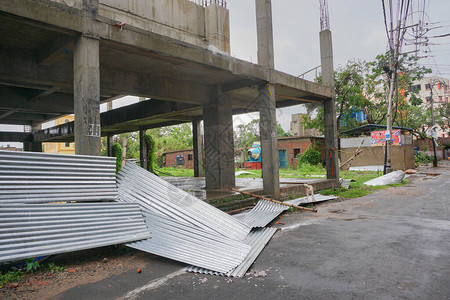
(179, 19)
(356, 141)
(402, 157)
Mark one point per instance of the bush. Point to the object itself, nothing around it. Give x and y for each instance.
(117, 153)
(423, 158)
(310, 156)
(151, 152)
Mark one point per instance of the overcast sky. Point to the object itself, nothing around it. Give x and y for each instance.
(358, 33)
(357, 28)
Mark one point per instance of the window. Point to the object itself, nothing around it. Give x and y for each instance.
(428, 99)
(427, 86)
(446, 99)
(415, 87)
(189, 156)
(67, 144)
(439, 85)
(440, 98)
(297, 152)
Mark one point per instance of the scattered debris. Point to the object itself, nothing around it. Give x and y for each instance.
(391, 178)
(410, 171)
(139, 270)
(259, 273)
(105, 260)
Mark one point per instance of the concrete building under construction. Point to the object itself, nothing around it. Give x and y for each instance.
(69, 56)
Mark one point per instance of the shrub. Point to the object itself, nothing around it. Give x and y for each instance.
(423, 158)
(151, 152)
(117, 153)
(310, 156)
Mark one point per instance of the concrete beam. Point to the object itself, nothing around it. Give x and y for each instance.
(331, 135)
(219, 146)
(55, 50)
(20, 66)
(135, 40)
(19, 137)
(86, 71)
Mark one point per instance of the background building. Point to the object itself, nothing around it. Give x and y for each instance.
(61, 148)
(298, 129)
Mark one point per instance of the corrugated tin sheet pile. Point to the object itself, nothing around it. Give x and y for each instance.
(39, 216)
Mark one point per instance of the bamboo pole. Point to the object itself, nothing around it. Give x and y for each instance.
(275, 201)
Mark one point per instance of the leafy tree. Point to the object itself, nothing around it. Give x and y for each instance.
(443, 116)
(246, 134)
(364, 86)
(117, 153)
(311, 156)
(281, 132)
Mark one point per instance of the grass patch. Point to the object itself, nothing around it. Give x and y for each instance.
(174, 172)
(358, 188)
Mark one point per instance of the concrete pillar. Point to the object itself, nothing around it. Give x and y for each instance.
(87, 96)
(109, 144)
(219, 146)
(331, 135)
(143, 149)
(266, 101)
(33, 146)
(198, 149)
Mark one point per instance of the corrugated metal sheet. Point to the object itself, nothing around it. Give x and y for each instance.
(30, 177)
(160, 197)
(186, 243)
(317, 198)
(257, 239)
(28, 230)
(262, 214)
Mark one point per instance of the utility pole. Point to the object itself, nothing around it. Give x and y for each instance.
(432, 83)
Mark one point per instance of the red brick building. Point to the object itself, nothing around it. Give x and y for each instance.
(181, 158)
(288, 148)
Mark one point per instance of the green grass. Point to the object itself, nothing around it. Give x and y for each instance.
(174, 172)
(358, 188)
(302, 172)
(10, 276)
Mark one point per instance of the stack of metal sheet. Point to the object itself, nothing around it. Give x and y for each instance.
(257, 239)
(157, 196)
(186, 243)
(184, 228)
(29, 230)
(30, 177)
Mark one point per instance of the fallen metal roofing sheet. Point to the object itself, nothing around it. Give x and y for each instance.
(185, 243)
(30, 177)
(264, 211)
(156, 195)
(28, 230)
(257, 239)
(262, 214)
(317, 198)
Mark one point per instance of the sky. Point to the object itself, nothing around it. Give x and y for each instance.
(357, 28)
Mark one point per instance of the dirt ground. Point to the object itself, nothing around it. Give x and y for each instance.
(80, 268)
(94, 265)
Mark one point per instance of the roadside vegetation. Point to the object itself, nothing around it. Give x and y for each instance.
(13, 276)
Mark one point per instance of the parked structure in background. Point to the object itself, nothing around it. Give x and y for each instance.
(297, 127)
(62, 147)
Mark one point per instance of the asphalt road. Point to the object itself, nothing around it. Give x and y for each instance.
(392, 244)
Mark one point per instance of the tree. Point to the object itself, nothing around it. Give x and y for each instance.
(246, 134)
(443, 116)
(364, 86)
(281, 132)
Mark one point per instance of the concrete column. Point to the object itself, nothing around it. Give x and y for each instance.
(109, 144)
(269, 141)
(87, 96)
(143, 149)
(331, 135)
(219, 146)
(33, 146)
(198, 149)
(266, 101)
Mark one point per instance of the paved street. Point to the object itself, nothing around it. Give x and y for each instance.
(392, 244)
